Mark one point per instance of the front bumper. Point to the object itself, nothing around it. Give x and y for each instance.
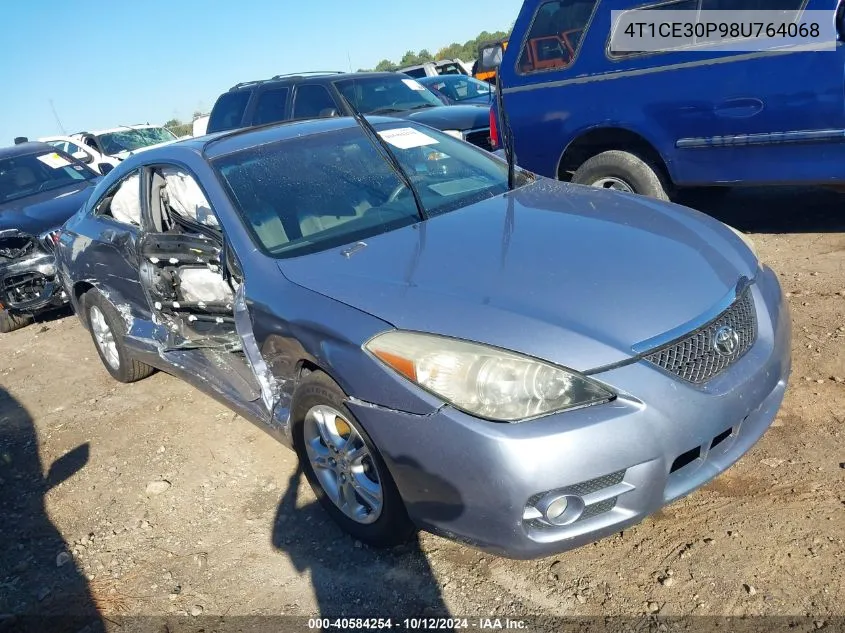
(476, 481)
(30, 284)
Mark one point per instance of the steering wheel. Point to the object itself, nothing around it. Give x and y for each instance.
(397, 192)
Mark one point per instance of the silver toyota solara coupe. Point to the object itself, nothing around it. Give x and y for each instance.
(519, 364)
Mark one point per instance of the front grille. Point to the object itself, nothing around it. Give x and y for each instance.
(585, 487)
(695, 358)
(598, 508)
(481, 138)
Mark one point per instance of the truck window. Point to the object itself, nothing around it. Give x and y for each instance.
(556, 34)
(751, 5)
(228, 112)
(271, 106)
(312, 101)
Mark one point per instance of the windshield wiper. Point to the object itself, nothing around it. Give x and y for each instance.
(384, 110)
(506, 134)
(423, 105)
(389, 156)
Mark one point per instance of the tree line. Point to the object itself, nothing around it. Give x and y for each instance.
(468, 52)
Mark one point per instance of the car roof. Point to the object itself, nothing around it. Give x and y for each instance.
(22, 149)
(317, 76)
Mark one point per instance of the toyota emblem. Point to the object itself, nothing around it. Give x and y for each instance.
(726, 341)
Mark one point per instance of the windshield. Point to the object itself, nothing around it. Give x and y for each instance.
(386, 94)
(459, 87)
(130, 139)
(23, 176)
(321, 191)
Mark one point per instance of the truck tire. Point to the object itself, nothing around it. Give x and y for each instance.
(622, 171)
(11, 322)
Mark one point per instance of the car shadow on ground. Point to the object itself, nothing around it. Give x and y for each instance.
(773, 209)
(350, 579)
(41, 588)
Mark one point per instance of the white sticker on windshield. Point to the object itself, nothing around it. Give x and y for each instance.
(53, 160)
(407, 138)
(413, 84)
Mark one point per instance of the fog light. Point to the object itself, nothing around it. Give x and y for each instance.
(559, 509)
(555, 509)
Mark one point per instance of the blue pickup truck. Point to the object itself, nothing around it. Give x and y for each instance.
(657, 123)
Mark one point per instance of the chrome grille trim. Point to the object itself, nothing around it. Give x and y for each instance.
(693, 357)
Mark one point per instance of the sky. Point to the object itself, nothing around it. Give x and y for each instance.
(98, 64)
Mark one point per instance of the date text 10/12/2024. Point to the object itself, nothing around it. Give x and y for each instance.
(417, 624)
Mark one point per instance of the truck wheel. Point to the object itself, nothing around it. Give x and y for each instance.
(621, 171)
(11, 322)
(108, 331)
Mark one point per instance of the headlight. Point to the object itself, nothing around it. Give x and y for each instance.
(485, 381)
(456, 133)
(748, 241)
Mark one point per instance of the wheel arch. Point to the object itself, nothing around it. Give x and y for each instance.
(595, 140)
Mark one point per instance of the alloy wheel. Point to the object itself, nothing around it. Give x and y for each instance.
(343, 464)
(104, 337)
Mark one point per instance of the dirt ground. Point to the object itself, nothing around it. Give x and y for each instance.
(153, 499)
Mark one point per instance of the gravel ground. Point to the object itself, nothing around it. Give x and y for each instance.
(154, 500)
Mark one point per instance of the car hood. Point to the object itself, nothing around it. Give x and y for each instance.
(47, 210)
(455, 117)
(571, 274)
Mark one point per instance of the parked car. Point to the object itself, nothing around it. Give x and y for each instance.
(121, 142)
(82, 152)
(433, 69)
(40, 188)
(657, 123)
(459, 89)
(319, 95)
(520, 364)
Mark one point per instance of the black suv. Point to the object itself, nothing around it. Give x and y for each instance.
(323, 94)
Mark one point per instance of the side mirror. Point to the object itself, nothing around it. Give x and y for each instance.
(328, 113)
(840, 21)
(105, 168)
(491, 56)
(83, 157)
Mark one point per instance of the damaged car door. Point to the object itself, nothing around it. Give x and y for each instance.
(194, 288)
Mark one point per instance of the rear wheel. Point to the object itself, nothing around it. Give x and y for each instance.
(108, 331)
(622, 171)
(344, 467)
(10, 322)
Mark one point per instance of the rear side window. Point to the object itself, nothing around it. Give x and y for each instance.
(272, 106)
(313, 102)
(556, 34)
(228, 112)
(751, 5)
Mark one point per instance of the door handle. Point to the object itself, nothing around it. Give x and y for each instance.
(739, 108)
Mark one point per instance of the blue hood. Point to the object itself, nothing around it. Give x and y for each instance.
(571, 274)
(47, 210)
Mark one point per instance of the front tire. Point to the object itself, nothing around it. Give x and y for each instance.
(343, 466)
(622, 171)
(10, 322)
(108, 331)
